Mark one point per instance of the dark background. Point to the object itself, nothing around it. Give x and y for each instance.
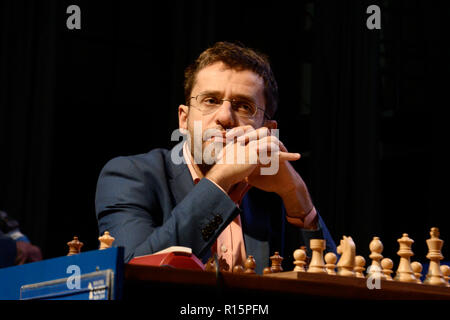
(356, 103)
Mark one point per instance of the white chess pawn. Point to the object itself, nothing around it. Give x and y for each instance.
(404, 271)
(330, 259)
(360, 262)
(300, 260)
(417, 269)
(445, 269)
(387, 266)
(106, 241)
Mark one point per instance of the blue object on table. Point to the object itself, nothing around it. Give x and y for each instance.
(91, 275)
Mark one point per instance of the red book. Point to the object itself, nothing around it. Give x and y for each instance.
(177, 257)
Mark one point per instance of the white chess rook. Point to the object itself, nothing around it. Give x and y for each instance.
(317, 265)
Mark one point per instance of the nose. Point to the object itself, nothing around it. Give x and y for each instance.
(225, 116)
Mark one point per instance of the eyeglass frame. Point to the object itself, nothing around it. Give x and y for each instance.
(232, 103)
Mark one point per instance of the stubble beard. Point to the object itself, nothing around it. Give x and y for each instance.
(197, 148)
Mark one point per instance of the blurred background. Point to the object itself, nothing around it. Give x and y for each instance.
(358, 104)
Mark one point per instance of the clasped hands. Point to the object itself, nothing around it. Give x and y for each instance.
(252, 151)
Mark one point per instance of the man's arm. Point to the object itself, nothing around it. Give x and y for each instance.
(131, 201)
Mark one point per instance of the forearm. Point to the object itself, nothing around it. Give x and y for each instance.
(195, 222)
(299, 207)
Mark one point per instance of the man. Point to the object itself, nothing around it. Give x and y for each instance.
(15, 247)
(218, 200)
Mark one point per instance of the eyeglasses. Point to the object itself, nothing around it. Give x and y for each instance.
(209, 103)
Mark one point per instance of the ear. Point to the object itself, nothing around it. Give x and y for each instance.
(183, 113)
(270, 124)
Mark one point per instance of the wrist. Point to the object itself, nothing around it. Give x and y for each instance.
(309, 221)
(297, 201)
(219, 181)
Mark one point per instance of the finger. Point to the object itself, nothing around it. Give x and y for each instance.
(211, 133)
(289, 156)
(254, 135)
(238, 131)
(265, 148)
(273, 138)
(267, 152)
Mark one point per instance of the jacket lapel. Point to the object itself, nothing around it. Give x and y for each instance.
(180, 179)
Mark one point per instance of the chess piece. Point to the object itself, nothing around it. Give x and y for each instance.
(223, 265)
(417, 269)
(347, 250)
(276, 263)
(445, 269)
(359, 266)
(387, 266)
(435, 244)
(267, 270)
(250, 265)
(210, 265)
(74, 246)
(308, 259)
(238, 269)
(300, 260)
(404, 270)
(317, 264)
(106, 241)
(376, 248)
(330, 259)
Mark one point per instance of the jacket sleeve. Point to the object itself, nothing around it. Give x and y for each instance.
(130, 202)
(8, 251)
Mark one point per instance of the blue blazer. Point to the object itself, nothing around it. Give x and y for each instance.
(149, 203)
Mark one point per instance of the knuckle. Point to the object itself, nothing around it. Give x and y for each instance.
(264, 131)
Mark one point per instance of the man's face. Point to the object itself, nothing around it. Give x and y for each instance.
(230, 84)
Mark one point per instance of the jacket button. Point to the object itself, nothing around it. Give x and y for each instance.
(214, 225)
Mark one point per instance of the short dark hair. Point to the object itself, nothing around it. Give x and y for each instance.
(238, 57)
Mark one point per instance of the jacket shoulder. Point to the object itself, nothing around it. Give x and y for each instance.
(152, 161)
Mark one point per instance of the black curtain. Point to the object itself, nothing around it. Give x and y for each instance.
(345, 124)
(377, 168)
(27, 113)
(73, 99)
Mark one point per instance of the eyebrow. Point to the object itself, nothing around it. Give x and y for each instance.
(236, 96)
